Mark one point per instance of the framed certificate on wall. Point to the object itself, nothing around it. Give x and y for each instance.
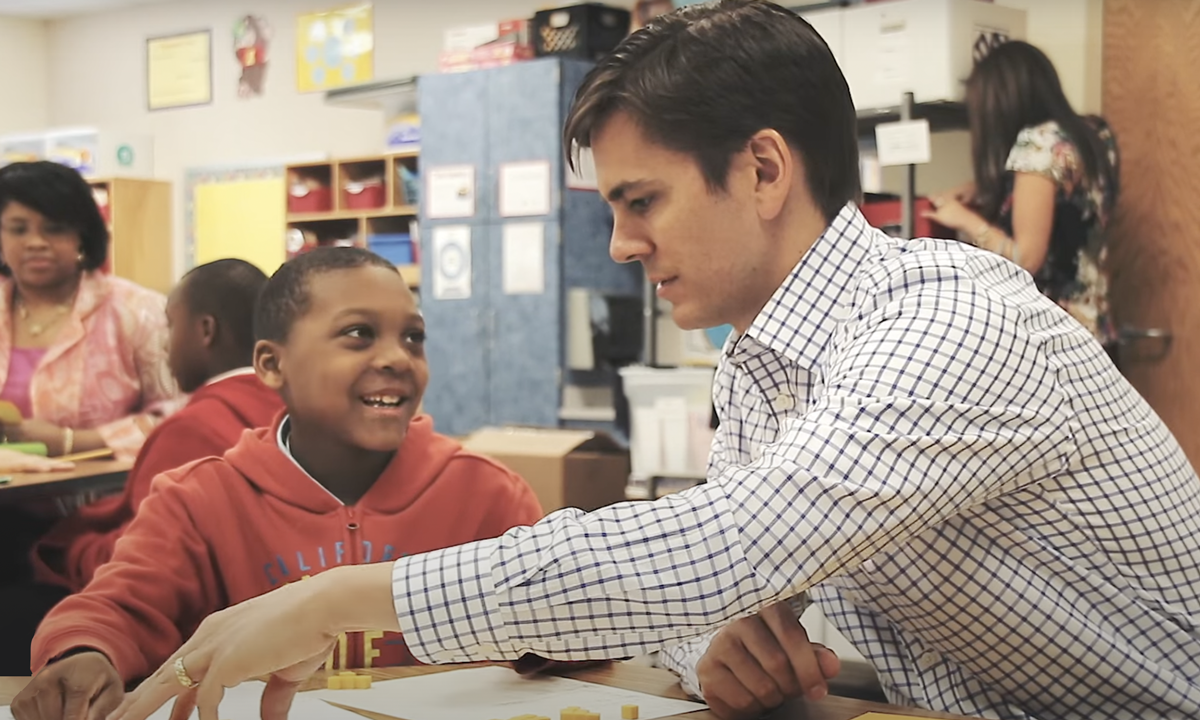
(179, 70)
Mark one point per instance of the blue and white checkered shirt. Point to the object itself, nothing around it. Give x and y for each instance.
(948, 464)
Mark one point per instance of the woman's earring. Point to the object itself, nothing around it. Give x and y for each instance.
(80, 258)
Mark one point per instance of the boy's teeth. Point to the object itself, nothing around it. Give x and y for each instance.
(383, 400)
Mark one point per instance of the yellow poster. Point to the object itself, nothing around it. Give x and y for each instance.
(335, 48)
(179, 70)
(241, 219)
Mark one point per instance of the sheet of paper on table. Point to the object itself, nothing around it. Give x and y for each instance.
(242, 703)
(497, 692)
(889, 716)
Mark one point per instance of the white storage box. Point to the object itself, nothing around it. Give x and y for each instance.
(670, 410)
(926, 47)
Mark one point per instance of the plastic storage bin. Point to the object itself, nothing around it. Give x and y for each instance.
(587, 30)
(306, 199)
(365, 195)
(396, 248)
(670, 410)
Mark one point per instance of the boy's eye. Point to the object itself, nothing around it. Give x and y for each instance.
(361, 332)
(417, 337)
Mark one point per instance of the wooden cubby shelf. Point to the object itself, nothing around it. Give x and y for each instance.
(367, 201)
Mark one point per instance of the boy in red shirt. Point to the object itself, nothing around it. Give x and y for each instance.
(345, 475)
(211, 318)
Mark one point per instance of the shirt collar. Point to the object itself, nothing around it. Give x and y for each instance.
(802, 314)
(226, 375)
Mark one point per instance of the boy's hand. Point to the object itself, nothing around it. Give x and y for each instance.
(80, 687)
(758, 662)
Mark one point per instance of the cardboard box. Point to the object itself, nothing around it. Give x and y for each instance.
(565, 468)
(465, 38)
(483, 57)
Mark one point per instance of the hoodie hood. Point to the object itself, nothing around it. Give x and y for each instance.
(244, 397)
(420, 460)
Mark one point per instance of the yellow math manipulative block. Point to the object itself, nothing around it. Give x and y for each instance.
(578, 713)
(348, 681)
(629, 712)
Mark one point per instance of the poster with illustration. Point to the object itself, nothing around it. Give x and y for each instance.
(251, 40)
(335, 48)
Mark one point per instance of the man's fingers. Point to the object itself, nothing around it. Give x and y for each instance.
(767, 660)
(751, 675)
(801, 654)
(726, 696)
(831, 664)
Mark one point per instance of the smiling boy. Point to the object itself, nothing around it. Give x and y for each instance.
(348, 474)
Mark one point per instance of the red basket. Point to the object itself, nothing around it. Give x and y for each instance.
(303, 199)
(363, 195)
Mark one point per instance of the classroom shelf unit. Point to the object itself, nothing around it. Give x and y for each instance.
(138, 215)
(365, 201)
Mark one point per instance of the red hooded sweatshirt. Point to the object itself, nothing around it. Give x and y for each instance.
(221, 531)
(215, 417)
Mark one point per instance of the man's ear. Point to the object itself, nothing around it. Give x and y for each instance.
(268, 363)
(776, 168)
(208, 330)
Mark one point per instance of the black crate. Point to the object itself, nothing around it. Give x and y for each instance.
(587, 30)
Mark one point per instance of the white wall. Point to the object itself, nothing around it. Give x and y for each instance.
(23, 54)
(1070, 32)
(97, 78)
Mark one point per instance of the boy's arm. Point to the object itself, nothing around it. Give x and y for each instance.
(175, 443)
(158, 587)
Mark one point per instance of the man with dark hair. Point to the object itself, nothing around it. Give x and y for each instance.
(911, 434)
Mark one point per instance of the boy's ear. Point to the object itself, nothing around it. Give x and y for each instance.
(208, 330)
(268, 364)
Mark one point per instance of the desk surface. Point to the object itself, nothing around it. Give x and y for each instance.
(87, 475)
(652, 681)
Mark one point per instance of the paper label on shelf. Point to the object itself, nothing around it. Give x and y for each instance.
(451, 192)
(525, 189)
(452, 262)
(903, 143)
(524, 259)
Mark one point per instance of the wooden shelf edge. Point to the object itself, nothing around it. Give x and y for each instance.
(396, 211)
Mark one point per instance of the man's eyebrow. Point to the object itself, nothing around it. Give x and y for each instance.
(618, 192)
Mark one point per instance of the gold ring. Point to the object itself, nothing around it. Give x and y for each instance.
(181, 674)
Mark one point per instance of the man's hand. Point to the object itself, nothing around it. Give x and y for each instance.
(758, 662)
(80, 687)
